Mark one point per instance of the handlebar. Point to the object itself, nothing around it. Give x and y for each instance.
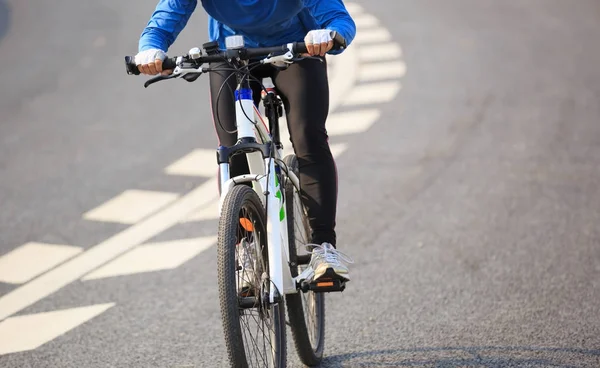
(241, 54)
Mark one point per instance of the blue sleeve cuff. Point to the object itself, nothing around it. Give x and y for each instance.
(167, 21)
(332, 14)
(154, 38)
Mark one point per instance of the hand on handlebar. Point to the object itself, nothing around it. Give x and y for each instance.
(150, 62)
(318, 42)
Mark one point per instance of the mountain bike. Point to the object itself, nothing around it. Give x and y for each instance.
(263, 225)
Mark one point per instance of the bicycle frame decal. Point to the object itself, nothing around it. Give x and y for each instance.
(278, 196)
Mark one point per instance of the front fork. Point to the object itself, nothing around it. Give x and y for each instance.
(269, 189)
(280, 274)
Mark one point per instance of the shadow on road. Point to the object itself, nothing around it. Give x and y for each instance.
(4, 18)
(480, 357)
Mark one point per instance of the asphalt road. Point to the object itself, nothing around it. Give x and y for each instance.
(471, 207)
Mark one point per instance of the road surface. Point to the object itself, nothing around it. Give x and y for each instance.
(469, 176)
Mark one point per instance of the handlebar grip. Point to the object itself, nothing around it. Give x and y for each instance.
(300, 48)
(339, 43)
(131, 67)
(169, 63)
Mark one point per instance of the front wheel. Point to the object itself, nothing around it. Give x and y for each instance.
(305, 310)
(254, 329)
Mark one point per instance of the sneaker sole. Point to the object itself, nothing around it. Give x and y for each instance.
(329, 274)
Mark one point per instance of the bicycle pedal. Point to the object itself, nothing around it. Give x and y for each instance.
(324, 285)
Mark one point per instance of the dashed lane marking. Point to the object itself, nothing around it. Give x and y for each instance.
(365, 20)
(199, 162)
(379, 52)
(208, 212)
(131, 206)
(32, 259)
(153, 257)
(70, 271)
(354, 8)
(352, 122)
(372, 36)
(22, 333)
(373, 93)
(382, 71)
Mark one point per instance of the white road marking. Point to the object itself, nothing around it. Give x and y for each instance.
(337, 149)
(32, 259)
(22, 333)
(131, 206)
(379, 52)
(153, 257)
(353, 8)
(199, 162)
(342, 77)
(373, 93)
(372, 36)
(208, 212)
(352, 122)
(380, 71)
(365, 21)
(112, 247)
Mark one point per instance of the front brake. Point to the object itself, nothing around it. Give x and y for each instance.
(190, 77)
(307, 57)
(159, 78)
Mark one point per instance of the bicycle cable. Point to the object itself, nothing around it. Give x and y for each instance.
(245, 75)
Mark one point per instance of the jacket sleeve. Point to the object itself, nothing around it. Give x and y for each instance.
(167, 21)
(332, 14)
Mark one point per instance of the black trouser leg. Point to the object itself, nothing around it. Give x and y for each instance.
(304, 89)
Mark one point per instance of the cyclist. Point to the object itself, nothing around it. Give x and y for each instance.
(303, 87)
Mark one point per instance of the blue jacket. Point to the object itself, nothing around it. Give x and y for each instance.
(263, 23)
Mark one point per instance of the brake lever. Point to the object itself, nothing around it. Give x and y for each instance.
(159, 78)
(307, 57)
(191, 77)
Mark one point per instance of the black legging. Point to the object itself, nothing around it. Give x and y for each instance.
(304, 90)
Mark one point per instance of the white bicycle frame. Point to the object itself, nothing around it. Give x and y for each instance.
(251, 124)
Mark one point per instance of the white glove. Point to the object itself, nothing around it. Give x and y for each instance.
(147, 61)
(318, 41)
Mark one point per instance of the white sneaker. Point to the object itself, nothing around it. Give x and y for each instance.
(326, 261)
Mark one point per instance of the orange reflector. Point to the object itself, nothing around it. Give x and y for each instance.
(324, 284)
(246, 224)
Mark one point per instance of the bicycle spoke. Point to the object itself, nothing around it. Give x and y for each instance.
(254, 343)
(254, 328)
(256, 324)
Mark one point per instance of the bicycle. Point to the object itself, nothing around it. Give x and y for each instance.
(263, 224)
